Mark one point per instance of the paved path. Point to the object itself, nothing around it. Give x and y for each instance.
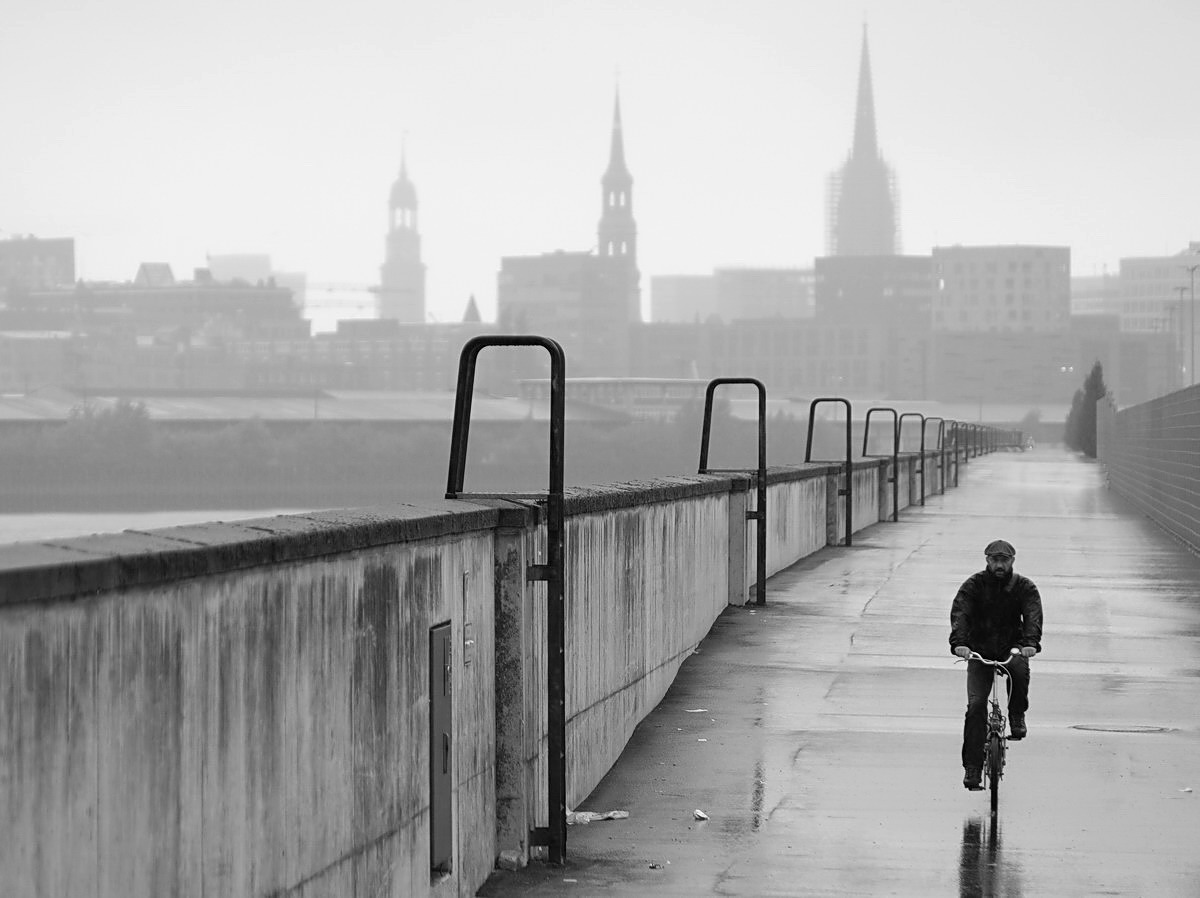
(827, 752)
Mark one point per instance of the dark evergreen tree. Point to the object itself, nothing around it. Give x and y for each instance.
(1080, 430)
(1071, 427)
(1093, 391)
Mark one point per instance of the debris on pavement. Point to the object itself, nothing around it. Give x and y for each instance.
(699, 814)
(581, 817)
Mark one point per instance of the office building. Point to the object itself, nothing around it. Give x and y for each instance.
(1002, 289)
(36, 263)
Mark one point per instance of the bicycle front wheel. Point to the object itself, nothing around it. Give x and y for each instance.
(995, 762)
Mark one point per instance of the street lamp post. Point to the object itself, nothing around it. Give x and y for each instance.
(1192, 364)
(1179, 330)
(1192, 369)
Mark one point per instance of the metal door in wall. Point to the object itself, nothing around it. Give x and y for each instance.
(441, 728)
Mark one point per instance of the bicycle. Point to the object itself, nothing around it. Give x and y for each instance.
(995, 747)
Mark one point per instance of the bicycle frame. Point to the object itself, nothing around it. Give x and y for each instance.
(995, 747)
(997, 720)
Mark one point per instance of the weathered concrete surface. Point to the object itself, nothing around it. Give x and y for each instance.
(826, 753)
(259, 731)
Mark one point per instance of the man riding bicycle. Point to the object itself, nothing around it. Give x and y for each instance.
(994, 611)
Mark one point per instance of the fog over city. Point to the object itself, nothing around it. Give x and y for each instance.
(428, 425)
(164, 132)
(904, 203)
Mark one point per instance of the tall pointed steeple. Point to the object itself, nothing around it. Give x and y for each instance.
(403, 204)
(402, 275)
(865, 145)
(862, 216)
(617, 233)
(616, 153)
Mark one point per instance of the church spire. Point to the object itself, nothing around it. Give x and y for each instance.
(402, 275)
(617, 231)
(865, 144)
(616, 153)
(862, 214)
(402, 207)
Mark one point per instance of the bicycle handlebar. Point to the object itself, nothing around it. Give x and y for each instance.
(975, 656)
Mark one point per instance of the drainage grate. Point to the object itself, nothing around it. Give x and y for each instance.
(1115, 728)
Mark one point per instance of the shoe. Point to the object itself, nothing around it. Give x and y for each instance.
(973, 778)
(1017, 724)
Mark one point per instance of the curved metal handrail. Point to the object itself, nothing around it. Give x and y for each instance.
(899, 431)
(848, 492)
(555, 834)
(759, 514)
(955, 445)
(894, 480)
(941, 448)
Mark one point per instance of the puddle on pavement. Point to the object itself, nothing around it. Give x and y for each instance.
(1118, 728)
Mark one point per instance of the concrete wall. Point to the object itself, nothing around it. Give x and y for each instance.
(870, 486)
(935, 464)
(244, 708)
(796, 519)
(646, 582)
(241, 710)
(1152, 454)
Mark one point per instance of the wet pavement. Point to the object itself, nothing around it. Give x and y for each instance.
(820, 734)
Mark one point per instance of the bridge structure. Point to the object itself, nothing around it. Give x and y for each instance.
(361, 702)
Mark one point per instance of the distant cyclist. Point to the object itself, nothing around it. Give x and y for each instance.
(995, 611)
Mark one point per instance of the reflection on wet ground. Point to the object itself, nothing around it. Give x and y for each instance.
(982, 870)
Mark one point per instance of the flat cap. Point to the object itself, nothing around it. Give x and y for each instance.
(1000, 547)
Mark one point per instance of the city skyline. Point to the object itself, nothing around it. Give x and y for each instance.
(1054, 123)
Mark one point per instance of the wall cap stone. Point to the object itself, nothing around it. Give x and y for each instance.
(71, 568)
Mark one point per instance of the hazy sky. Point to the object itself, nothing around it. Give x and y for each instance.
(154, 130)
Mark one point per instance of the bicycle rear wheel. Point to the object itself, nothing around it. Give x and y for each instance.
(995, 765)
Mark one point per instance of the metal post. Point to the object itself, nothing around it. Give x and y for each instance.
(1179, 333)
(759, 515)
(848, 492)
(554, 836)
(1192, 327)
(900, 432)
(941, 448)
(895, 478)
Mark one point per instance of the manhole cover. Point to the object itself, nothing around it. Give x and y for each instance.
(1116, 728)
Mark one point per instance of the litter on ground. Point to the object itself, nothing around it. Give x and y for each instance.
(580, 817)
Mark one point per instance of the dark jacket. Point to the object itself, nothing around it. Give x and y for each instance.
(992, 617)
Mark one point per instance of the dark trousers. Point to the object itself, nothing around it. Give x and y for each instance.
(979, 689)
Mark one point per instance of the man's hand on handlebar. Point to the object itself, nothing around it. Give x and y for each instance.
(964, 652)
